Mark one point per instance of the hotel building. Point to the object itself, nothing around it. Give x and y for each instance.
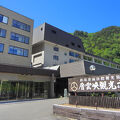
(52, 46)
(56, 49)
(18, 80)
(15, 38)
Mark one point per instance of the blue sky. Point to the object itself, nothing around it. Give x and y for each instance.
(69, 15)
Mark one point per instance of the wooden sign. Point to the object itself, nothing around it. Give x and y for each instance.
(95, 83)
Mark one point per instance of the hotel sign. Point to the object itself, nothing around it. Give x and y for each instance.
(95, 83)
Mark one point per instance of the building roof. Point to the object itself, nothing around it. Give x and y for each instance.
(27, 70)
(16, 12)
(57, 36)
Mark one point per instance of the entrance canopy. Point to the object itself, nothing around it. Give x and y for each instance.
(102, 83)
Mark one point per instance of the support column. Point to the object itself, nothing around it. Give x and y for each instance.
(82, 57)
(17, 92)
(52, 93)
(1, 88)
(102, 62)
(93, 59)
(45, 89)
(109, 64)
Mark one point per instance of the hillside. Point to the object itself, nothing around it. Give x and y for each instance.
(105, 43)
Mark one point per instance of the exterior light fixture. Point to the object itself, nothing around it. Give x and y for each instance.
(92, 68)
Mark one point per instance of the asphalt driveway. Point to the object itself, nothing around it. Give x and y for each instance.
(31, 110)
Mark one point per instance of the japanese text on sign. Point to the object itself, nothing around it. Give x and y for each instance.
(97, 83)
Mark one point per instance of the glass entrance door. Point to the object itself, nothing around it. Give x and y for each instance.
(38, 90)
(16, 90)
(22, 90)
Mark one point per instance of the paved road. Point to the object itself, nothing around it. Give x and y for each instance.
(31, 110)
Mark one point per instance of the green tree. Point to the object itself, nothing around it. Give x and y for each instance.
(105, 43)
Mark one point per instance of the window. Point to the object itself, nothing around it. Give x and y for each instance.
(19, 38)
(65, 54)
(25, 52)
(78, 46)
(118, 66)
(3, 19)
(77, 55)
(18, 51)
(71, 60)
(2, 32)
(53, 31)
(55, 57)
(1, 47)
(56, 49)
(41, 29)
(67, 45)
(21, 25)
(73, 44)
(71, 53)
(65, 62)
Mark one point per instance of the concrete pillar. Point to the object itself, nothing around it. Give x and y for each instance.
(52, 93)
(102, 62)
(109, 64)
(82, 57)
(93, 59)
(45, 89)
(1, 88)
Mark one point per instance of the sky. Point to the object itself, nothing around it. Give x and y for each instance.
(69, 15)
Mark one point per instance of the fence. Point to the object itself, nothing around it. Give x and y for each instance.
(106, 102)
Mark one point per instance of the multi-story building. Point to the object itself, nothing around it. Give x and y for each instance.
(56, 49)
(52, 46)
(15, 38)
(18, 80)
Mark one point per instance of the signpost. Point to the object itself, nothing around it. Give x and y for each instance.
(102, 83)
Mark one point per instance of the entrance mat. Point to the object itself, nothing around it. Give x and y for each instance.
(85, 113)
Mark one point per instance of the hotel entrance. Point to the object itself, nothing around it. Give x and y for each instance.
(60, 85)
(10, 90)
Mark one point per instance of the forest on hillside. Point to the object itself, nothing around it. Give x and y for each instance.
(105, 43)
